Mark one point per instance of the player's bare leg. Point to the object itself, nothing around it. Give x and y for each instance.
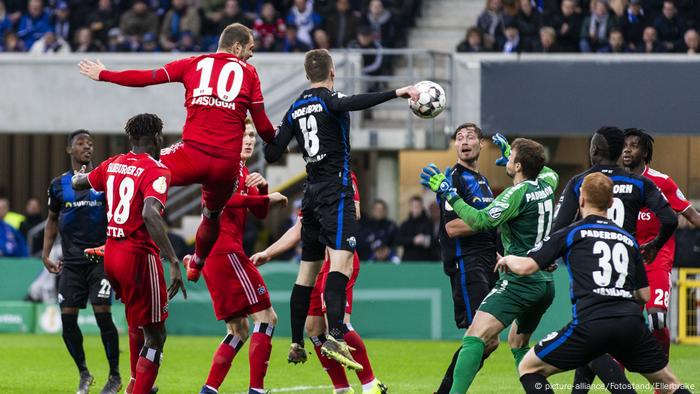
(665, 381)
(519, 343)
(73, 338)
(534, 372)
(334, 298)
(484, 328)
(237, 332)
(110, 341)
(299, 306)
(150, 357)
(264, 323)
(207, 234)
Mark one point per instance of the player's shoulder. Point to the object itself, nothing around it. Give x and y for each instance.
(658, 177)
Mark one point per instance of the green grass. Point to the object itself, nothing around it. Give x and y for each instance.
(40, 364)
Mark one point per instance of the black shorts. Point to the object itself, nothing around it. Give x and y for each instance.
(626, 338)
(79, 282)
(328, 219)
(471, 281)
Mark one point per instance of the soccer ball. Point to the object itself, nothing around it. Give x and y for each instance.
(431, 102)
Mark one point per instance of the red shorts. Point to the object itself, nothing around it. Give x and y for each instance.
(189, 163)
(236, 286)
(660, 289)
(317, 307)
(137, 278)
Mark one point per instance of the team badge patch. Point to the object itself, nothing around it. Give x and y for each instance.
(495, 212)
(160, 185)
(548, 338)
(352, 242)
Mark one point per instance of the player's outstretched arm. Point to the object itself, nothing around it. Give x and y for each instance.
(567, 208)
(692, 215)
(517, 265)
(287, 241)
(157, 230)
(274, 150)
(80, 181)
(358, 102)
(262, 123)
(134, 78)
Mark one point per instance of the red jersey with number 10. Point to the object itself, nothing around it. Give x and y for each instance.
(648, 225)
(128, 180)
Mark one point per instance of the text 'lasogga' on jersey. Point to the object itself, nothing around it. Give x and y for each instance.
(605, 267)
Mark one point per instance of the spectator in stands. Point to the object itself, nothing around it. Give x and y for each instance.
(595, 28)
(14, 219)
(381, 22)
(291, 41)
(302, 15)
(491, 23)
(270, 27)
(102, 20)
(547, 42)
(567, 25)
(149, 43)
(342, 25)
(233, 14)
(116, 42)
(80, 11)
(513, 43)
(380, 234)
(529, 21)
(213, 12)
(12, 43)
(670, 27)
(373, 63)
(14, 9)
(692, 42)
(616, 43)
(33, 218)
(473, 42)
(434, 210)
(633, 23)
(61, 22)
(650, 44)
(50, 43)
(180, 18)
(321, 40)
(415, 234)
(84, 42)
(5, 22)
(12, 243)
(187, 43)
(139, 21)
(34, 23)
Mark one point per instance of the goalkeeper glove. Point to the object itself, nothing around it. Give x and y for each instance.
(440, 183)
(503, 144)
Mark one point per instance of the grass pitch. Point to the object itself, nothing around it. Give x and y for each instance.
(41, 364)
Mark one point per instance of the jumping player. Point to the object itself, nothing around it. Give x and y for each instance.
(236, 287)
(316, 327)
(468, 257)
(320, 122)
(136, 188)
(523, 214)
(80, 218)
(608, 282)
(220, 90)
(636, 156)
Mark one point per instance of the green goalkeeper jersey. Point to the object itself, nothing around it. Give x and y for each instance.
(522, 213)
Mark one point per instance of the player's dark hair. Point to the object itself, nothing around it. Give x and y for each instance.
(318, 64)
(597, 189)
(468, 126)
(646, 140)
(530, 155)
(76, 133)
(615, 139)
(234, 33)
(143, 126)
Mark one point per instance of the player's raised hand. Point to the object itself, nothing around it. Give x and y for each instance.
(260, 258)
(502, 142)
(53, 267)
(278, 198)
(91, 69)
(408, 92)
(432, 178)
(176, 282)
(255, 179)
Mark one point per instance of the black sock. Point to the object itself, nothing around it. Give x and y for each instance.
(334, 296)
(73, 338)
(682, 390)
(110, 340)
(583, 379)
(446, 383)
(612, 375)
(299, 308)
(535, 383)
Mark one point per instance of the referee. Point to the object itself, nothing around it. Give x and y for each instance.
(80, 218)
(468, 257)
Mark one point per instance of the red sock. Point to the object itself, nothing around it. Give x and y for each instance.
(259, 354)
(207, 233)
(147, 370)
(136, 341)
(223, 357)
(334, 370)
(664, 338)
(352, 338)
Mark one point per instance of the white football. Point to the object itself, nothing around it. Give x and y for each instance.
(431, 102)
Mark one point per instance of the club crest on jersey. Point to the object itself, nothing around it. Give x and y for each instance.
(261, 290)
(548, 338)
(496, 211)
(352, 242)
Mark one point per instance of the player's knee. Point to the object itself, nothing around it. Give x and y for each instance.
(102, 308)
(491, 345)
(69, 322)
(657, 320)
(239, 327)
(267, 316)
(315, 326)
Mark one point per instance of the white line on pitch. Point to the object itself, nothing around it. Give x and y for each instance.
(296, 388)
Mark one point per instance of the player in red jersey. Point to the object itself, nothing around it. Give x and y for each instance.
(636, 156)
(220, 89)
(316, 322)
(236, 287)
(136, 188)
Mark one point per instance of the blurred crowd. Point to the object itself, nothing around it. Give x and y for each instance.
(588, 26)
(63, 26)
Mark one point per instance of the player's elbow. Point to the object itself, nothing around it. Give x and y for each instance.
(272, 153)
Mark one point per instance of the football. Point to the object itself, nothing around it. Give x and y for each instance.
(432, 100)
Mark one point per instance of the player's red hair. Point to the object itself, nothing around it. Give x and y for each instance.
(597, 190)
